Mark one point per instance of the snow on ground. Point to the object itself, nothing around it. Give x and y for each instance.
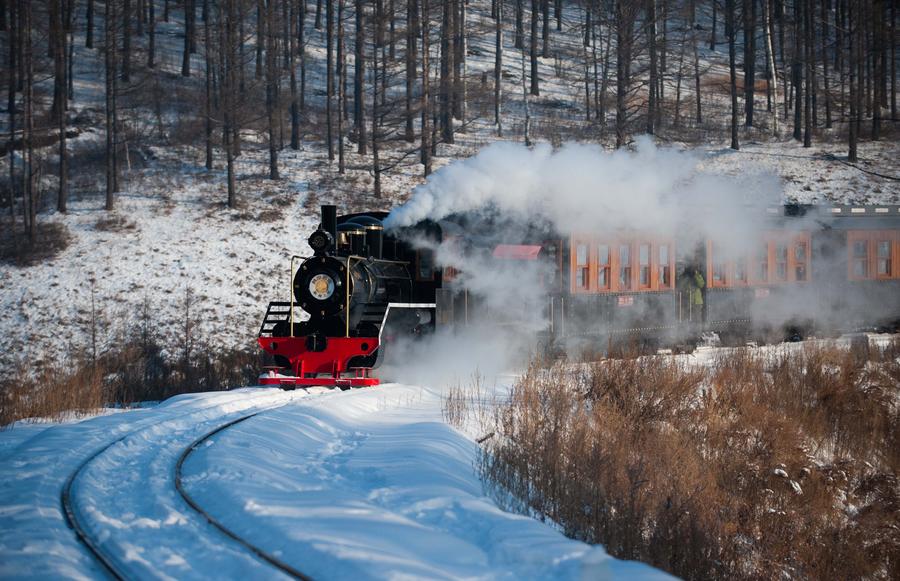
(367, 484)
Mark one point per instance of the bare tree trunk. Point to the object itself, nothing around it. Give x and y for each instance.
(60, 98)
(412, 37)
(461, 63)
(13, 40)
(535, 15)
(318, 23)
(654, 80)
(712, 36)
(272, 87)
(694, 41)
(261, 35)
(426, 98)
(112, 170)
(126, 41)
(826, 89)
(545, 29)
(230, 88)
(624, 20)
(773, 75)
(731, 33)
(853, 39)
(329, 77)
(89, 26)
(798, 71)
(207, 41)
(749, 60)
(807, 103)
(301, 47)
(376, 152)
(527, 108)
(446, 112)
(520, 26)
(292, 48)
(359, 94)
(604, 86)
(186, 53)
(151, 41)
(342, 85)
(29, 190)
(498, 66)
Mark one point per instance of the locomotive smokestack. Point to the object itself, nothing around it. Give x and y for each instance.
(329, 220)
(374, 240)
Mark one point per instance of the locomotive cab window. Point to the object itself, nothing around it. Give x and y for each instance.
(424, 265)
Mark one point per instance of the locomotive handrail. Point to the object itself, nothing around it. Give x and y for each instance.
(291, 291)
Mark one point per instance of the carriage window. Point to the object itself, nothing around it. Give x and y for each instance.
(624, 267)
(718, 267)
(740, 270)
(581, 266)
(860, 258)
(762, 274)
(884, 258)
(665, 273)
(644, 260)
(603, 266)
(781, 254)
(800, 260)
(425, 259)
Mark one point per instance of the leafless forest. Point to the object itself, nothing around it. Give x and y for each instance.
(384, 84)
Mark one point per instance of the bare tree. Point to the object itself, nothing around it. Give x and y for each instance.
(773, 75)
(329, 77)
(112, 165)
(730, 32)
(59, 99)
(535, 16)
(272, 86)
(412, 37)
(425, 148)
(498, 66)
(359, 94)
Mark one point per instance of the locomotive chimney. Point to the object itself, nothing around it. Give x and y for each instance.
(329, 220)
(374, 240)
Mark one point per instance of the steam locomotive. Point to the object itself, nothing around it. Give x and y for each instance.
(809, 269)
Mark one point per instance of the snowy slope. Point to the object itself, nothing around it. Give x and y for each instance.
(368, 484)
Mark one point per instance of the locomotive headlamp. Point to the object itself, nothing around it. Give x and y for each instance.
(321, 287)
(319, 241)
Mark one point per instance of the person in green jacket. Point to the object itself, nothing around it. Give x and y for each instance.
(692, 284)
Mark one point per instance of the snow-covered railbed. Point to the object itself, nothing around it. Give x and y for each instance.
(123, 497)
(374, 485)
(368, 484)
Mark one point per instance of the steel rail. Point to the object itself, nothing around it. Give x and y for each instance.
(179, 485)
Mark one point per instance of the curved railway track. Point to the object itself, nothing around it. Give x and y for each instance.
(108, 561)
(179, 485)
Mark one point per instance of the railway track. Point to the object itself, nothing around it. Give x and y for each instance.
(108, 560)
(179, 485)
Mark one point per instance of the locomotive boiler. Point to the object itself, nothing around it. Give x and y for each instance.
(357, 290)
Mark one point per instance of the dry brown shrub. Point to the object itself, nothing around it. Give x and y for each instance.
(756, 467)
(50, 239)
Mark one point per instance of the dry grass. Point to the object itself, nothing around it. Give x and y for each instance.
(753, 468)
(50, 239)
(115, 223)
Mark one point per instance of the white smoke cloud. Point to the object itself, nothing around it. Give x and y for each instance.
(583, 188)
